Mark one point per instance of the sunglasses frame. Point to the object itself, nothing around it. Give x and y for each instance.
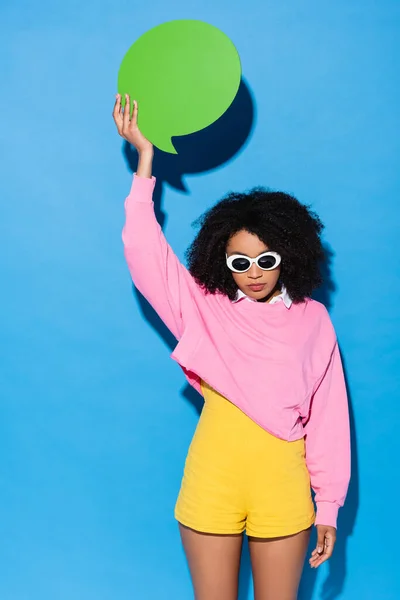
(230, 259)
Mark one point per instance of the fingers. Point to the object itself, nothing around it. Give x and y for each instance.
(135, 113)
(117, 114)
(122, 118)
(324, 549)
(127, 125)
(127, 114)
(320, 540)
(318, 559)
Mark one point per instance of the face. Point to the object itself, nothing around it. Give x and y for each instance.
(255, 282)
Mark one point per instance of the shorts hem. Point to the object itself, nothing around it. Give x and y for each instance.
(280, 531)
(207, 529)
(250, 532)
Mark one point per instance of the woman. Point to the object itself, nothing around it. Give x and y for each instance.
(266, 359)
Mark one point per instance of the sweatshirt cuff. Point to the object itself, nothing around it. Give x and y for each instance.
(142, 189)
(327, 513)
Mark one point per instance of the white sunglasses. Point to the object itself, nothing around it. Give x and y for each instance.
(267, 261)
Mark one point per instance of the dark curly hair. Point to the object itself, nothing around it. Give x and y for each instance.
(284, 224)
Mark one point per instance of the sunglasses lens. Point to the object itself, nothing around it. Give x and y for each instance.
(240, 264)
(267, 262)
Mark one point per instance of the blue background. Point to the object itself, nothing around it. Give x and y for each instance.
(95, 419)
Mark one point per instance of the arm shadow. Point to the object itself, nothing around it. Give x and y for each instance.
(203, 151)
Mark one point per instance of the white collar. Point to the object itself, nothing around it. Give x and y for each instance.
(283, 296)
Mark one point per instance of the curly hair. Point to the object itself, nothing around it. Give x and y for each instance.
(279, 220)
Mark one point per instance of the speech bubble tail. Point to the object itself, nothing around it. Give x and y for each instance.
(165, 145)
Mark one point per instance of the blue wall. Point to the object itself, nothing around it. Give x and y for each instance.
(92, 441)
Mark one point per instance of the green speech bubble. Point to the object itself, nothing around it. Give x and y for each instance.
(184, 74)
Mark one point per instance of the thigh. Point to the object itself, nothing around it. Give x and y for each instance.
(277, 565)
(214, 562)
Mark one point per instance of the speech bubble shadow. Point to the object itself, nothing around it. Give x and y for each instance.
(205, 150)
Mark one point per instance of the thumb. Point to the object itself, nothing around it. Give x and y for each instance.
(320, 540)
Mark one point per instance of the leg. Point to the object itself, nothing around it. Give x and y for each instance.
(277, 565)
(214, 562)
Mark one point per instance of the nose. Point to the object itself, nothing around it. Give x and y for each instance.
(254, 272)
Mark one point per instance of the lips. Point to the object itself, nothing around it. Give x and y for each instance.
(257, 287)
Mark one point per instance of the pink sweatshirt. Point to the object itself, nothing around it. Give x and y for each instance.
(280, 366)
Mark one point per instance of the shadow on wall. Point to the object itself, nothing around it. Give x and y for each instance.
(325, 293)
(334, 583)
(202, 151)
(198, 153)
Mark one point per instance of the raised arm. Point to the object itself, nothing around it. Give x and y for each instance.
(155, 269)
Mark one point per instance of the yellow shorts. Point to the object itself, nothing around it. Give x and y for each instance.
(240, 477)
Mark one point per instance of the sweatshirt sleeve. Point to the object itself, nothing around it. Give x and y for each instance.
(328, 442)
(155, 269)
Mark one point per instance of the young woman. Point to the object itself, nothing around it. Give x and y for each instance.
(266, 359)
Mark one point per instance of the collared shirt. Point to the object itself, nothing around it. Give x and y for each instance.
(283, 296)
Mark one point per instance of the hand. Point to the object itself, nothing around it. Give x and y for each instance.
(325, 544)
(128, 127)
